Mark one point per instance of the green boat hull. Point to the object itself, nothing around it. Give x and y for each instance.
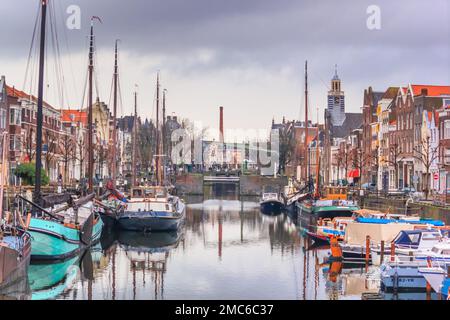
(327, 211)
(51, 240)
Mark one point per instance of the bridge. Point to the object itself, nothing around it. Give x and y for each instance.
(221, 179)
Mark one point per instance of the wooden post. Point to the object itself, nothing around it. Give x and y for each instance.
(382, 252)
(428, 290)
(392, 251)
(411, 257)
(367, 249)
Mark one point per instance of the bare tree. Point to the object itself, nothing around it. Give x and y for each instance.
(426, 155)
(67, 147)
(395, 156)
(30, 149)
(51, 140)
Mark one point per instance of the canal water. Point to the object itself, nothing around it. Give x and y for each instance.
(227, 249)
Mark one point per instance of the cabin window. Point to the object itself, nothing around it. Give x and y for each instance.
(446, 252)
(414, 238)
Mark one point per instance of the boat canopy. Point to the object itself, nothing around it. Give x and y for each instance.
(356, 232)
(413, 237)
(149, 192)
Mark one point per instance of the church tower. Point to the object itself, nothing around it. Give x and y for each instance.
(336, 101)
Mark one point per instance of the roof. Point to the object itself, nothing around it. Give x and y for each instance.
(68, 115)
(432, 90)
(352, 121)
(390, 93)
(13, 92)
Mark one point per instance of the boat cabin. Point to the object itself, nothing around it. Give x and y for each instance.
(417, 239)
(335, 193)
(149, 192)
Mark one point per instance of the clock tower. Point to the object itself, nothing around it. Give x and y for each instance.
(336, 101)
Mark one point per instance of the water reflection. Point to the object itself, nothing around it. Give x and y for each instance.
(227, 249)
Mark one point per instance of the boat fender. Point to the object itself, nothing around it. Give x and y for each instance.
(336, 251)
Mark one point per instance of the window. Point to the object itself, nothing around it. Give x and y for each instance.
(447, 129)
(15, 143)
(2, 119)
(447, 156)
(15, 116)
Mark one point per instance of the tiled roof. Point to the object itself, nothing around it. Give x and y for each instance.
(13, 92)
(352, 121)
(432, 90)
(390, 93)
(74, 116)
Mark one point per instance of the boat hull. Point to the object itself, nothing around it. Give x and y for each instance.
(402, 278)
(14, 268)
(271, 207)
(150, 221)
(54, 241)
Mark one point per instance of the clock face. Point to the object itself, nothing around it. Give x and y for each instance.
(336, 99)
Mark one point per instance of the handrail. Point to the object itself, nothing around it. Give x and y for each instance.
(39, 208)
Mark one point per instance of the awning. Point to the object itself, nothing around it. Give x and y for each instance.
(353, 173)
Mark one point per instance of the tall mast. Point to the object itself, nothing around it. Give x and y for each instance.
(90, 124)
(317, 158)
(134, 140)
(114, 151)
(39, 119)
(306, 121)
(163, 134)
(157, 131)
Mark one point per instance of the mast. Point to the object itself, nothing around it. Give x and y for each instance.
(317, 194)
(158, 181)
(114, 151)
(306, 122)
(39, 119)
(134, 140)
(90, 124)
(163, 133)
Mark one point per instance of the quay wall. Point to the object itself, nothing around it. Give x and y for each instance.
(425, 210)
(190, 184)
(249, 185)
(253, 185)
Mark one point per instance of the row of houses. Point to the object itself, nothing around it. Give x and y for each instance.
(64, 135)
(401, 139)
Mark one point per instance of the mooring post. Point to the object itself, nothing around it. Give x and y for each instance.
(367, 249)
(392, 251)
(382, 252)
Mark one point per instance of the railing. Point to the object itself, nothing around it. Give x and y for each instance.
(221, 179)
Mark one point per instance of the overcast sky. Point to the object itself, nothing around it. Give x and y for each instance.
(247, 55)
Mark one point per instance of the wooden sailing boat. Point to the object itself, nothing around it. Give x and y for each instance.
(152, 208)
(112, 202)
(15, 243)
(320, 208)
(61, 226)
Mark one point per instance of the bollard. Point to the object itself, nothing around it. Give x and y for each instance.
(382, 252)
(392, 251)
(367, 249)
(27, 223)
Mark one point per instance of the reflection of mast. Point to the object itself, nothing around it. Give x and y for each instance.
(133, 268)
(220, 237)
(114, 275)
(304, 275)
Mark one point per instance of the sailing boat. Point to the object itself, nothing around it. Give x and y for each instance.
(152, 208)
(112, 202)
(61, 226)
(15, 244)
(328, 206)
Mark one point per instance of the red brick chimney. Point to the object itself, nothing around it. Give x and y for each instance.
(221, 124)
(424, 92)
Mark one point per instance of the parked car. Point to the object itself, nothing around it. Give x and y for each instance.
(369, 186)
(408, 190)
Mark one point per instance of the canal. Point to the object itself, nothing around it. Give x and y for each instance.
(227, 249)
